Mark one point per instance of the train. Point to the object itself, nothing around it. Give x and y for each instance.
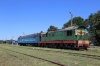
(71, 37)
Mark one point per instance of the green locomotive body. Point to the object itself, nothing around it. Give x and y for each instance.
(73, 37)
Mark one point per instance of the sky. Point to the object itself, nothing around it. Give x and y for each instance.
(32, 16)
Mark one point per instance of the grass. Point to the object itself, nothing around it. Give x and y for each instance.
(7, 59)
(64, 58)
(92, 50)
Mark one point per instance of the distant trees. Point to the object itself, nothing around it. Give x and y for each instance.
(41, 31)
(52, 28)
(77, 21)
(3, 41)
(94, 27)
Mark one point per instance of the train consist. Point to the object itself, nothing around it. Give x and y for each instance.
(71, 37)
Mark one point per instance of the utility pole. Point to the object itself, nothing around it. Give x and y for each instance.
(12, 40)
(6, 40)
(71, 17)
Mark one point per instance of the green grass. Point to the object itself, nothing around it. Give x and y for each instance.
(6, 59)
(92, 51)
(62, 58)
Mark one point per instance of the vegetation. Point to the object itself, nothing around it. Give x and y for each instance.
(22, 60)
(52, 28)
(75, 22)
(4, 41)
(8, 58)
(94, 27)
(41, 32)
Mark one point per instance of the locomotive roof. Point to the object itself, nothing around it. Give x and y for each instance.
(68, 28)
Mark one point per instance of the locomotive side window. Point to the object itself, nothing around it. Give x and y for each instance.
(46, 34)
(52, 34)
(69, 33)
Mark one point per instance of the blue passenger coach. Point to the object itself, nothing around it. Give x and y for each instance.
(31, 39)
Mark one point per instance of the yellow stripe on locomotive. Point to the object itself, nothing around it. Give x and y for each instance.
(80, 32)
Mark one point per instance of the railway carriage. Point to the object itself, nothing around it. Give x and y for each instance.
(31, 39)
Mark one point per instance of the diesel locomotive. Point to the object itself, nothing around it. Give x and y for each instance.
(72, 37)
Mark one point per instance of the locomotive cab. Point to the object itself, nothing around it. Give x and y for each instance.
(80, 34)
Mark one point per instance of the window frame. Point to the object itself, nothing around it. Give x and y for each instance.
(69, 32)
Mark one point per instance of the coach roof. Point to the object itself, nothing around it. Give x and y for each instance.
(30, 35)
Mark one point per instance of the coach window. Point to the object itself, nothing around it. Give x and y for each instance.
(69, 33)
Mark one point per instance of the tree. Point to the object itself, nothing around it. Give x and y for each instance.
(77, 21)
(85, 23)
(52, 28)
(41, 32)
(94, 27)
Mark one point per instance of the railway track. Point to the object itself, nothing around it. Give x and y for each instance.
(71, 53)
(35, 57)
(74, 54)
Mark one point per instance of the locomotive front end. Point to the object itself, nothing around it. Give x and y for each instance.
(82, 41)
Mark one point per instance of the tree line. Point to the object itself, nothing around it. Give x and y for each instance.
(92, 24)
(5, 41)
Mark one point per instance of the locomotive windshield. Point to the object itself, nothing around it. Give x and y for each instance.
(80, 32)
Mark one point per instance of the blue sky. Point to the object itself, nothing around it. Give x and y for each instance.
(32, 16)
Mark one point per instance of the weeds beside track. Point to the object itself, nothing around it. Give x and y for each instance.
(35, 57)
(71, 53)
(51, 55)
